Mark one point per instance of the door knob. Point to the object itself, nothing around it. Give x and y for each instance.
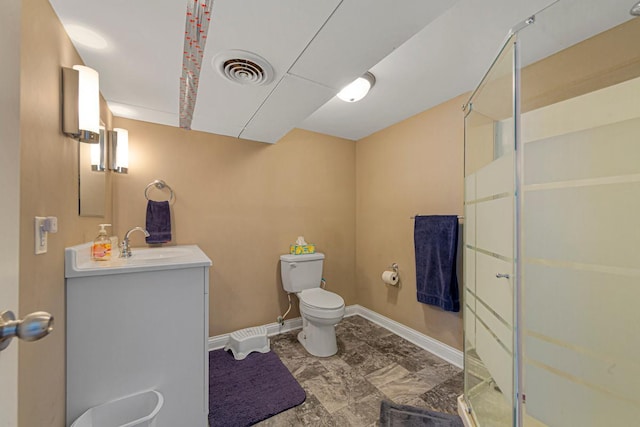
(33, 327)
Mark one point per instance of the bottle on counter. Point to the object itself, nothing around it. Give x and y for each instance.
(101, 248)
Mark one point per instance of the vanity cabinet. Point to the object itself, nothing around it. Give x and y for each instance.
(139, 324)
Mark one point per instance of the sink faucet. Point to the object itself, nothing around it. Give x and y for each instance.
(125, 250)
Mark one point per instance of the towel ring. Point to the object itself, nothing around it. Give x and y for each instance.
(160, 185)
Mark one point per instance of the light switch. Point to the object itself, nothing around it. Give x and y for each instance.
(40, 235)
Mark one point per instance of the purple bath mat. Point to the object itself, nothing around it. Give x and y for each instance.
(244, 392)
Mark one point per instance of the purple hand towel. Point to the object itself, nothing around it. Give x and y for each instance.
(436, 243)
(158, 222)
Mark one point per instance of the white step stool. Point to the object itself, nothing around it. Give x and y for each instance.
(244, 341)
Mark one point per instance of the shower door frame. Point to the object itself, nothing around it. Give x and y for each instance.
(517, 365)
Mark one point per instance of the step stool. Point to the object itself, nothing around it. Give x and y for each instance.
(244, 341)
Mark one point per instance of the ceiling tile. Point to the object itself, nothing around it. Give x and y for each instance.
(292, 101)
(361, 33)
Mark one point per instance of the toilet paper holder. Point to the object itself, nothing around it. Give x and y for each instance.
(391, 275)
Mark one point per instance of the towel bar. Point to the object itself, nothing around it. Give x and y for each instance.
(414, 217)
(160, 185)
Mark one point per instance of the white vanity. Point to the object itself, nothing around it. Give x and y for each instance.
(138, 324)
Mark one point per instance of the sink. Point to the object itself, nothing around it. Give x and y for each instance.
(144, 254)
(78, 262)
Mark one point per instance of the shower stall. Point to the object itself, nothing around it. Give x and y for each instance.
(551, 239)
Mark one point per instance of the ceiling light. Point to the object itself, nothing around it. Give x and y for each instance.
(635, 10)
(358, 89)
(86, 37)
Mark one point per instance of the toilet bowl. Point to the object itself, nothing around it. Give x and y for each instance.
(320, 309)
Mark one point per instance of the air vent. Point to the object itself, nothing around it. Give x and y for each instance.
(243, 67)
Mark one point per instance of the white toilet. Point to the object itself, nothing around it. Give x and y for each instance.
(321, 310)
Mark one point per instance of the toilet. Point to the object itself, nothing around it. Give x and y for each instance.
(321, 310)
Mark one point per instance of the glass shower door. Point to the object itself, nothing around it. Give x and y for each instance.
(489, 245)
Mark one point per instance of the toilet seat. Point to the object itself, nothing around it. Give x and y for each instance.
(321, 304)
(319, 298)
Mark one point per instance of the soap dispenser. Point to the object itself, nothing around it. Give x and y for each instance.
(101, 248)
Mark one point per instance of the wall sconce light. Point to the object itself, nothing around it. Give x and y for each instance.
(81, 103)
(357, 89)
(98, 153)
(119, 150)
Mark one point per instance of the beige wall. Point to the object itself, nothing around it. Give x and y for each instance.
(600, 61)
(414, 167)
(243, 203)
(49, 187)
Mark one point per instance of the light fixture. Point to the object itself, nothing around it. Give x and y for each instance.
(358, 89)
(98, 153)
(81, 103)
(635, 9)
(119, 150)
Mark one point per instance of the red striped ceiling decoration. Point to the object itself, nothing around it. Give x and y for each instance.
(195, 38)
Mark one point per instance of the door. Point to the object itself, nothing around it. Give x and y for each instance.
(10, 197)
(489, 246)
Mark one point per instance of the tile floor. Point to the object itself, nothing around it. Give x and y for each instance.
(372, 364)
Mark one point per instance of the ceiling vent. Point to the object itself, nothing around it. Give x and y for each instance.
(243, 67)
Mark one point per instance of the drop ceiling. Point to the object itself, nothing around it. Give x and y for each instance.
(421, 52)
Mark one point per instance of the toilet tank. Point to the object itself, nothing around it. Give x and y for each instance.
(300, 272)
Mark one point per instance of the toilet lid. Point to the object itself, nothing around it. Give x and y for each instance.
(318, 297)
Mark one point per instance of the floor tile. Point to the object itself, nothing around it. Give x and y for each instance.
(417, 360)
(331, 393)
(386, 375)
(362, 329)
(304, 369)
(364, 412)
(312, 412)
(395, 348)
(287, 346)
(288, 418)
(365, 359)
(404, 390)
(372, 364)
(443, 396)
(433, 376)
(339, 387)
(347, 341)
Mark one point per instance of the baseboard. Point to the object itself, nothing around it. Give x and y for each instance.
(219, 341)
(423, 341)
(432, 345)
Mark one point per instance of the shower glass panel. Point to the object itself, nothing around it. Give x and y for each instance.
(551, 259)
(580, 234)
(489, 245)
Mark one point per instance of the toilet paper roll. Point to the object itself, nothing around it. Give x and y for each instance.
(390, 277)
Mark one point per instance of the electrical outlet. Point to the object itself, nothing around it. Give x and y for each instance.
(40, 235)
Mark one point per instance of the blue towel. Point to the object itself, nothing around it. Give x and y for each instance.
(158, 222)
(436, 244)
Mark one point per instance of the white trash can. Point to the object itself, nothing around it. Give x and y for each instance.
(137, 410)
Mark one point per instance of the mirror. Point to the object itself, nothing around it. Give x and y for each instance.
(92, 181)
